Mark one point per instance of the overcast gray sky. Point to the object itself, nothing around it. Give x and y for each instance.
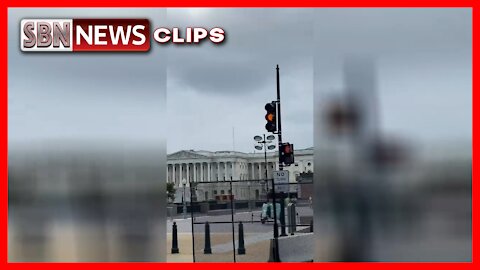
(71, 97)
(423, 59)
(214, 89)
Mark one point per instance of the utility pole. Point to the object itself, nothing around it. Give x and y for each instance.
(274, 125)
(264, 144)
(265, 156)
(279, 123)
(193, 220)
(276, 253)
(280, 160)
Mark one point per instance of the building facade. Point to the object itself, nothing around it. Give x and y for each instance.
(201, 167)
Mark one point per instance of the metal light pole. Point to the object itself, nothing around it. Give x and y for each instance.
(184, 183)
(276, 255)
(264, 143)
(249, 197)
(193, 219)
(279, 122)
(280, 163)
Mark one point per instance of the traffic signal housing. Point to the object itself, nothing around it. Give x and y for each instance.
(287, 154)
(271, 117)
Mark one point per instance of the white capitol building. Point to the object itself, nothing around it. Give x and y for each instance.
(207, 166)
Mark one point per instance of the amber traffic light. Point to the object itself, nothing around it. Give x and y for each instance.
(271, 117)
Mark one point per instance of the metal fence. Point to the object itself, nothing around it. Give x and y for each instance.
(231, 209)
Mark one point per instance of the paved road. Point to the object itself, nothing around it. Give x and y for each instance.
(257, 235)
(184, 225)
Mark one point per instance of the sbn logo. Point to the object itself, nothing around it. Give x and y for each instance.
(85, 35)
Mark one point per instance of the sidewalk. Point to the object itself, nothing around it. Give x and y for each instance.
(256, 245)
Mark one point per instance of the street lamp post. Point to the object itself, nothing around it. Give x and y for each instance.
(184, 183)
(266, 140)
(249, 197)
(264, 143)
(249, 184)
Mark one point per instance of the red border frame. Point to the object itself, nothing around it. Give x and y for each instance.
(5, 4)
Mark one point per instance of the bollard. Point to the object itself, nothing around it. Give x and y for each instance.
(292, 218)
(282, 215)
(274, 252)
(311, 225)
(174, 239)
(207, 249)
(241, 242)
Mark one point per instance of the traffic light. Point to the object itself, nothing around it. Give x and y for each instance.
(271, 117)
(287, 155)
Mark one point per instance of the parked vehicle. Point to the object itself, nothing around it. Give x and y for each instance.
(267, 212)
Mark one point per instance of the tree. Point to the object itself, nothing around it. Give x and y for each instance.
(171, 191)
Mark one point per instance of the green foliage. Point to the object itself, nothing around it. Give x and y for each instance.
(171, 191)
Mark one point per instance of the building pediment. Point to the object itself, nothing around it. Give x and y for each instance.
(185, 155)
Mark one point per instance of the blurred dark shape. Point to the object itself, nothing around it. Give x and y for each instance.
(385, 153)
(383, 198)
(88, 204)
(342, 118)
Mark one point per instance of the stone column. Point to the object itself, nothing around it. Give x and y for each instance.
(209, 172)
(253, 171)
(260, 168)
(220, 177)
(188, 172)
(175, 180)
(225, 176)
(194, 172)
(180, 167)
(250, 171)
(172, 172)
(168, 174)
(227, 167)
(268, 168)
(202, 177)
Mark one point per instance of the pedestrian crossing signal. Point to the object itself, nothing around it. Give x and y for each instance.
(287, 154)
